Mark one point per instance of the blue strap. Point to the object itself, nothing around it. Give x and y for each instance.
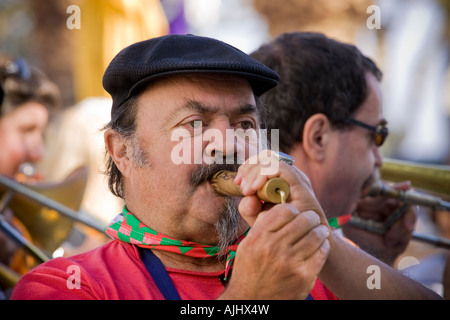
(159, 274)
(161, 278)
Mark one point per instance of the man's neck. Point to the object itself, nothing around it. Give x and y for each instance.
(183, 262)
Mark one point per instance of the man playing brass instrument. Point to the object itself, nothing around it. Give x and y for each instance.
(27, 100)
(328, 108)
(175, 228)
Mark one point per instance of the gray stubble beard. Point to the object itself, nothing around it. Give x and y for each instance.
(227, 226)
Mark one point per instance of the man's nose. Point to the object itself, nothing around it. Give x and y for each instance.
(222, 145)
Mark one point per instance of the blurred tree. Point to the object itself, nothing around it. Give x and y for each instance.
(446, 5)
(53, 44)
(16, 25)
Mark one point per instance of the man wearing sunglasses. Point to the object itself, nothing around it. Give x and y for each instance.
(328, 110)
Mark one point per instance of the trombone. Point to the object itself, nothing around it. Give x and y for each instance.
(48, 221)
(435, 179)
(410, 197)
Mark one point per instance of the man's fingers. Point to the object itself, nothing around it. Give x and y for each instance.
(311, 241)
(249, 208)
(277, 218)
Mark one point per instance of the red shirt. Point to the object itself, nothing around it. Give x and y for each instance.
(115, 271)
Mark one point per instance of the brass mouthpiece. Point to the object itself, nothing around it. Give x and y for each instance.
(276, 190)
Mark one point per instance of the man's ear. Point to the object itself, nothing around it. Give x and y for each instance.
(117, 148)
(316, 136)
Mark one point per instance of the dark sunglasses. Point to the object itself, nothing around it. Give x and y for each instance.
(380, 131)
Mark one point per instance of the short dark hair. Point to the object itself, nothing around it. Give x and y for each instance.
(317, 75)
(123, 121)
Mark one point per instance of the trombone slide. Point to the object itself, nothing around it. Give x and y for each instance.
(410, 197)
(381, 228)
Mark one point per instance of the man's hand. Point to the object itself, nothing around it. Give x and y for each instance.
(387, 247)
(288, 244)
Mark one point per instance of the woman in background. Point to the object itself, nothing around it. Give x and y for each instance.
(27, 98)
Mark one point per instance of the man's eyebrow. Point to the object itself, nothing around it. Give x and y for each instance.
(189, 105)
(248, 108)
(192, 105)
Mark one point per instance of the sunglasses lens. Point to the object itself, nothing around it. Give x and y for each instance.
(381, 135)
(379, 139)
(380, 132)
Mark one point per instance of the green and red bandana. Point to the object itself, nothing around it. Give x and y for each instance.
(338, 222)
(126, 227)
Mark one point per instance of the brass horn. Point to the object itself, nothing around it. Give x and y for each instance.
(47, 227)
(432, 182)
(46, 210)
(432, 178)
(410, 197)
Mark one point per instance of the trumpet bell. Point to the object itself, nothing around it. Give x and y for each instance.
(47, 227)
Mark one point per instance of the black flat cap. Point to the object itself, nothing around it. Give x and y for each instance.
(136, 65)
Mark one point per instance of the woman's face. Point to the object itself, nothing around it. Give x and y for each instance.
(21, 136)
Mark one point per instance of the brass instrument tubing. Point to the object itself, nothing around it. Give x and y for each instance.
(22, 241)
(411, 197)
(47, 202)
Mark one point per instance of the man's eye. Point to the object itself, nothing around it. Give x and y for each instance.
(246, 125)
(195, 124)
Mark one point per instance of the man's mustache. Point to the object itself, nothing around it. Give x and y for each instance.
(204, 173)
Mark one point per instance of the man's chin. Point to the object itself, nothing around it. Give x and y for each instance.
(224, 210)
(353, 208)
(229, 223)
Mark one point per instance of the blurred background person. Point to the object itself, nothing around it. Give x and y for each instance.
(325, 85)
(328, 91)
(75, 60)
(27, 99)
